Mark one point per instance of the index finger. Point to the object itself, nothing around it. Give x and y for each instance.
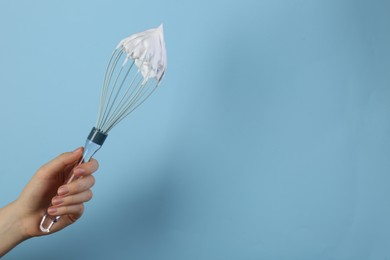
(86, 168)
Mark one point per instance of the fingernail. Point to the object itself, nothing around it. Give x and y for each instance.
(57, 201)
(63, 190)
(78, 149)
(78, 171)
(51, 210)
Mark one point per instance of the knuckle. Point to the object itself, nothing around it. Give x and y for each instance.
(80, 208)
(91, 166)
(69, 200)
(89, 195)
(41, 171)
(61, 158)
(79, 186)
(63, 210)
(62, 154)
(44, 169)
(96, 164)
(82, 184)
(92, 180)
(75, 187)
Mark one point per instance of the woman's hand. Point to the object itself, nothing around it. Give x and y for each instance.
(20, 220)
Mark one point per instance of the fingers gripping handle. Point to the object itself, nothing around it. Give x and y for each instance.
(94, 142)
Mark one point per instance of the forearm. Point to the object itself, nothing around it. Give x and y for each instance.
(10, 229)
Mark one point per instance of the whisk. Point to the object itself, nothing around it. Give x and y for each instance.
(134, 71)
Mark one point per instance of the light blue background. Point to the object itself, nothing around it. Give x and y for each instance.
(268, 139)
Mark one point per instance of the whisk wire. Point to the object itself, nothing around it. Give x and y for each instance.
(139, 103)
(114, 107)
(111, 91)
(123, 103)
(126, 97)
(132, 109)
(128, 103)
(107, 79)
(117, 92)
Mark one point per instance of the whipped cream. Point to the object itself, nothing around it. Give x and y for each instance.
(147, 49)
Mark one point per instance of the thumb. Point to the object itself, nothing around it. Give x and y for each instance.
(59, 163)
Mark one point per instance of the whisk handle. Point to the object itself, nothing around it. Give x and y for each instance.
(94, 142)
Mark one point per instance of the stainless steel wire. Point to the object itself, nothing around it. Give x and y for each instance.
(124, 89)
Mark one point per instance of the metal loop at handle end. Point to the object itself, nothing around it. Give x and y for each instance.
(47, 223)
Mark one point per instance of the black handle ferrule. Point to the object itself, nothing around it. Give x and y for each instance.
(97, 136)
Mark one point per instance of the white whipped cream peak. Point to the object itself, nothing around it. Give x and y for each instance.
(147, 49)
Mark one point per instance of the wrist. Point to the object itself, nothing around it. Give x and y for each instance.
(11, 228)
(17, 221)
